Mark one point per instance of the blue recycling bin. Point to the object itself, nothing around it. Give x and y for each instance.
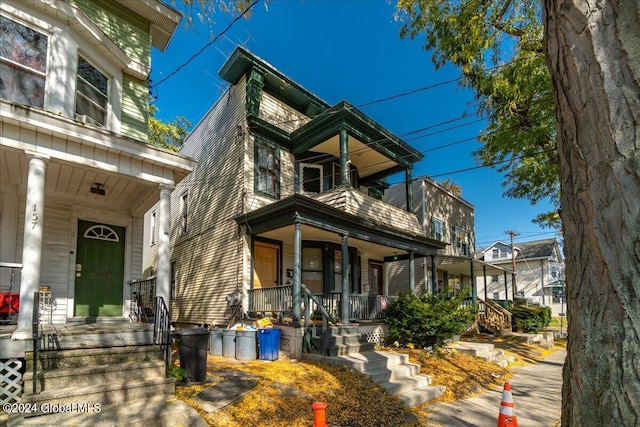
(269, 342)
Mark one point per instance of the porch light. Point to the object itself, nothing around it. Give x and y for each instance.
(96, 188)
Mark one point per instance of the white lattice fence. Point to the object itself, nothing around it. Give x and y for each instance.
(373, 333)
(11, 376)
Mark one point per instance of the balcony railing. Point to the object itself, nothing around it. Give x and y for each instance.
(280, 300)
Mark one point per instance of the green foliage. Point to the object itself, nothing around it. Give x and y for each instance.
(169, 135)
(177, 372)
(530, 319)
(205, 11)
(426, 320)
(499, 48)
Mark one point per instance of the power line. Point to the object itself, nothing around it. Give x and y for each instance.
(198, 53)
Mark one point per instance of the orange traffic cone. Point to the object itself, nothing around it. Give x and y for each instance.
(507, 417)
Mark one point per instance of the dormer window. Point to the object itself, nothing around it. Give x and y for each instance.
(23, 63)
(92, 98)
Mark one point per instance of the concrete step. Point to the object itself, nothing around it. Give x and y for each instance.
(421, 395)
(64, 359)
(100, 394)
(90, 375)
(344, 349)
(96, 339)
(484, 351)
(156, 411)
(373, 361)
(406, 384)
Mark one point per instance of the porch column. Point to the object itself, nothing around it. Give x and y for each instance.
(506, 290)
(484, 273)
(474, 290)
(297, 271)
(434, 276)
(408, 173)
(344, 307)
(412, 273)
(344, 158)
(163, 274)
(32, 243)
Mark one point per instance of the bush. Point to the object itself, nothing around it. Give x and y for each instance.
(530, 319)
(426, 320)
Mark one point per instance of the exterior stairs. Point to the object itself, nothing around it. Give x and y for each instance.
(95, 373)
(391, 371)
(484, 351)
(342, 340)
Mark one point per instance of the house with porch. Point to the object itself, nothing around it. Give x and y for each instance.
(76, 171)
(539, 270)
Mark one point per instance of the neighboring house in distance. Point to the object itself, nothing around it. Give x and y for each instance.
(446, 217)
(287, 192)
(539, 272)
(76, 173)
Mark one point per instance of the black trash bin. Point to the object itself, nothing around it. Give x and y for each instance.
(192, 345)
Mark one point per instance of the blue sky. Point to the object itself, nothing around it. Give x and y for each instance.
(351, 50)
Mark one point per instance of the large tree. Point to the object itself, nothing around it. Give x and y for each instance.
(591, 53)
(593, 50)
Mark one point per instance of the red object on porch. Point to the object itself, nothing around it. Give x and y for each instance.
(319, 415)
(9, 302)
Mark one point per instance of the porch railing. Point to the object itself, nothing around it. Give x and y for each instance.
(280, 300)
(35, 334)
(493, 316)
(143, 300)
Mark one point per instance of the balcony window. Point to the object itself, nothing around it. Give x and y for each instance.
(23, 63)
(267, 169)
(92, 97)
(311, 178)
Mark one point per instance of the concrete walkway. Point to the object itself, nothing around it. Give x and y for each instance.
(536, 390)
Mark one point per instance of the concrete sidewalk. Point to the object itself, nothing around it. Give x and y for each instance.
(537, 394)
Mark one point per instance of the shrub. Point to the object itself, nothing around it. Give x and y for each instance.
(426, 320)
(530, 319)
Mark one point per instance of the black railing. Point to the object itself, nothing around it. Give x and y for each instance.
(35, 334)
(143, 300)
(162, 330)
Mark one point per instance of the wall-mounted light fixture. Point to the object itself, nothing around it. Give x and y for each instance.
(96, 188)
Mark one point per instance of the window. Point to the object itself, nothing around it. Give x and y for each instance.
(460, 241)
(173, 292)
(310, 178)
(496, 295)
(91, 94)
(152, 238)
(437, 229)
(494, 279)
(495, 253)
(23, 63)
(267, 169)
(184, 213)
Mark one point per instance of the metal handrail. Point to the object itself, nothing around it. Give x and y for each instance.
(162, 330)
(143, 303)
(35, 331)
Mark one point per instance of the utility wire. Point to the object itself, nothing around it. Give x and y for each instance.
(198, 53)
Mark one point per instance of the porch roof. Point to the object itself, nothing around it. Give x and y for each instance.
(307, 211)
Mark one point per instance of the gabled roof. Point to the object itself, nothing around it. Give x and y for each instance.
(537, 249)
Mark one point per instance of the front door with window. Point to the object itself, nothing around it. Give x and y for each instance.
(376, 279)
(99, 269)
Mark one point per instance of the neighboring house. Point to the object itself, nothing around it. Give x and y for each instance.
(539, 272)
(287, 192)
(444, 216)
(76, 173)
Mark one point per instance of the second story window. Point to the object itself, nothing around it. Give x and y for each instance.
(461, 241)
(310, 178)
(23, 63)
(267, 169)
(184, 213)
(437, 229)
(91, 94)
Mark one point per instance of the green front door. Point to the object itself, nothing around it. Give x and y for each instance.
(99, 269)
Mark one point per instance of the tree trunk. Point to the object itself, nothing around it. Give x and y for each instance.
(593, 49)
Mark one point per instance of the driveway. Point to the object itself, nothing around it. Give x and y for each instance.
(537, 395)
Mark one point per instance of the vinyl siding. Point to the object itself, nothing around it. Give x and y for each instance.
(128, 31)
(210, 256)
(135, 105)
(280, 114)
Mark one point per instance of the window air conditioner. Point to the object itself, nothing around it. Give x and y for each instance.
(88, 120)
